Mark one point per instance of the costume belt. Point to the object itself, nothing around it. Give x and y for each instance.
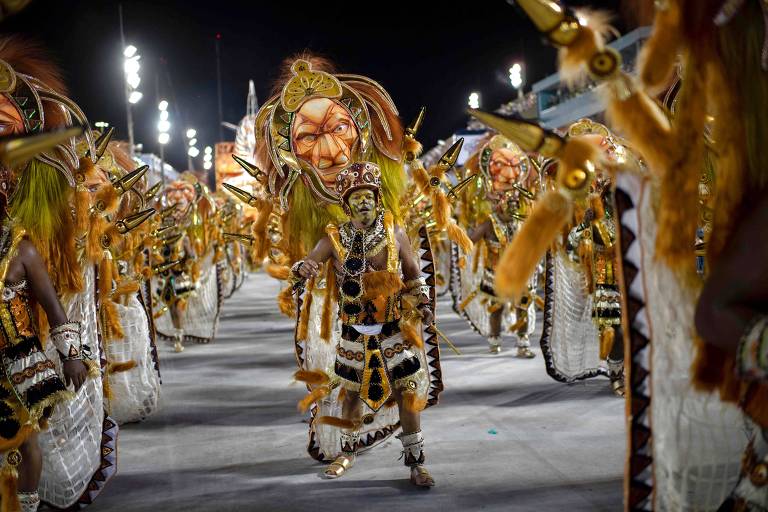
(375, 387)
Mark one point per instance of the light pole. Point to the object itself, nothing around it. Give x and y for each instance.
(474, 100)
(516, 78)
(164, 136)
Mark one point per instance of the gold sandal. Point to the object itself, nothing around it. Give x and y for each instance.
(618, 387)
(420, 471)
(339, 466)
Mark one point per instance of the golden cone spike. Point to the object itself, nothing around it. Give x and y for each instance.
(552, 20)
(415, 125)
(250, 168)
(450, 157)
(17, 150)
(241, 194)
(246, 239)
(133, 221)
(100, 144)
(165, 212)
(545, 14)
(157, 269)
(460, 185)
(172, 239)
(529, 136)
(127, 182)
(152, 192)
(524, 191)
(160, 232)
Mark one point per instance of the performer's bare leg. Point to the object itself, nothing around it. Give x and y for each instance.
(30, 469)
(413, 444)
(351, 409)
(178, 335)
(494, 340)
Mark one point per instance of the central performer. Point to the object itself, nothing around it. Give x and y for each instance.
(376, 364)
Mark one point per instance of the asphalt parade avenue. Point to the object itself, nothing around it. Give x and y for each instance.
(228, 437)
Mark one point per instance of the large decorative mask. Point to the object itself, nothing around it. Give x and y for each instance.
(504, 164)
(22, 110)
(321, 123)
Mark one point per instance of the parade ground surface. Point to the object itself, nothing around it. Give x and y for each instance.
(228, 437)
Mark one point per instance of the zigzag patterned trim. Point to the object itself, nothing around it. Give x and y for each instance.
(455, 286)
(431, 342)
(546, 333)
(639, 483)
(108, 467)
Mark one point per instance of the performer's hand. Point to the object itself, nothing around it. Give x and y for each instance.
(75, 373)
(427, 317)
(309, 269)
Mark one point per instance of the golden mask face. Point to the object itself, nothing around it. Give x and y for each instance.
(182, 195)
(506, 168)
(324, 136)
(10, 118)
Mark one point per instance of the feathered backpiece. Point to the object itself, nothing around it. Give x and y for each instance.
(41, 191)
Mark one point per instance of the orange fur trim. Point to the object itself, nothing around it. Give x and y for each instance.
(315, 395)
(411, 332)
(302, 329)
(460, 237)
(643, 122)
(412, 402)
(519, 259)
(312, 377)
(112, 326)
(412, 147)
(9, 499)
(657, 59)
(82, 202)
(94, 249)
(330, 295)
(420, 177)
(280, 272)
(574, 58)
(121, 367)
(286, 303)
(108, 197)
(381, 284)
(341, 423)
(126, 287)
(441, 208)
(342, 394)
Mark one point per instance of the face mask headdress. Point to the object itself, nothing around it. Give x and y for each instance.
(319, 124)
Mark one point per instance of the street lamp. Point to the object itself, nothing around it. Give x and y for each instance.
(164, 136)
(131, 67)
(207, 158)
(192, 150)
(516, 78)
(474, 100)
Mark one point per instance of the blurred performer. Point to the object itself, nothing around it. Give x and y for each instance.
(176, 282)
(499, 204)
(375, 362)
(720, 51)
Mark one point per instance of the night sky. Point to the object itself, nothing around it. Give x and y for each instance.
(423, 52)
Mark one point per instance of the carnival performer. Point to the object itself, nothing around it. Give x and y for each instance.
(375, 362)
(507, 185)
(31, 203)
(718, 50)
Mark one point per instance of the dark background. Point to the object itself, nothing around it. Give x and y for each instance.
(424, 53)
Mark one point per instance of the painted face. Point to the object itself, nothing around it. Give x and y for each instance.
(506, 168)
(362, 206)
(182, 196)
(323, 135)
(10, 118)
